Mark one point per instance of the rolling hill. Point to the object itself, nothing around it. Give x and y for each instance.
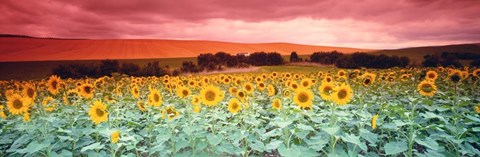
(50, 49)
(417, 53)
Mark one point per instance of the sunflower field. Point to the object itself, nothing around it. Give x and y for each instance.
(367, 112)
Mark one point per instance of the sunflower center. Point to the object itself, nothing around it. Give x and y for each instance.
(427, 88)
(431, 75)
(342, 94)
(303, 97)
(185, 92)
(17, 104)
(276, 104)
(241, 94)
(305, 84)
(99, 112)
(367, 81)
(294, 86)
(156, 97)
(262, 85)
(30, 92)
(54, 84)
(235, 106)
(210, 95)
(87, 89)
(455, 78)
(327, 89)
(248, 87)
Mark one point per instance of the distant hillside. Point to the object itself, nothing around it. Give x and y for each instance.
(42, 49)
(417, 53)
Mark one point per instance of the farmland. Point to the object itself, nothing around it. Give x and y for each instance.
(279, 110)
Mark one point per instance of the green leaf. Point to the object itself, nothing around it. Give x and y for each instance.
(395, 147)
(258, 146)
(476, 129)
(305, 127)
(331, 130)
(94, 146)
(34, 147)
(428, 142)
(181, 144)
(293, 151)
(355, 140)
(473, 118)
(284, 124)
(214, 139)
(369, 136)
(272, 133)
(273, 144)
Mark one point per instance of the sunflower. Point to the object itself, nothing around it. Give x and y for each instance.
(325, 90)
(29, 91)
(17, 105)
(241, 95)
(374, 121)
(154, 98)
(135, 91)
(342, 74)
(271, 90)
(2, 112)
(328, 79)
(54, 84)
(86, 90)
(476, 73)
(261, 86)
(404, 77)
(303, 98)
(232, 90)
(196, 100)
(183, 92)
(211, 95)
(343, 94)
(320, 74)
(234, 105)
(277, 104)
(170, 112)
(477, 108)
(26, 117)
(306, 83)
(98, 112)
(115, 136)
(192, 83)
(427, 88)
(455, 76)
(431, 75)
(286, 93)
(46, 102)
(9, 93)
(69, 94)
(293, 85)
(368, 78)
(141, 106)
(248, 87)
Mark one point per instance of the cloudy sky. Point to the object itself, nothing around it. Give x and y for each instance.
(358, 23)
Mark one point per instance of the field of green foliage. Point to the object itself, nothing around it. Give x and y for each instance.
(278, 112)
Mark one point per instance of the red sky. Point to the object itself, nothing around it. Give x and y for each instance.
(356, 23)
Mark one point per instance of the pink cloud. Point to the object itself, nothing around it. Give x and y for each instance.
(364, 24)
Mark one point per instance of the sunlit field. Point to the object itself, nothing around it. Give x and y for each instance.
(334, 112)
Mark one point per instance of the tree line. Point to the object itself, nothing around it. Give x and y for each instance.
(108, 67)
